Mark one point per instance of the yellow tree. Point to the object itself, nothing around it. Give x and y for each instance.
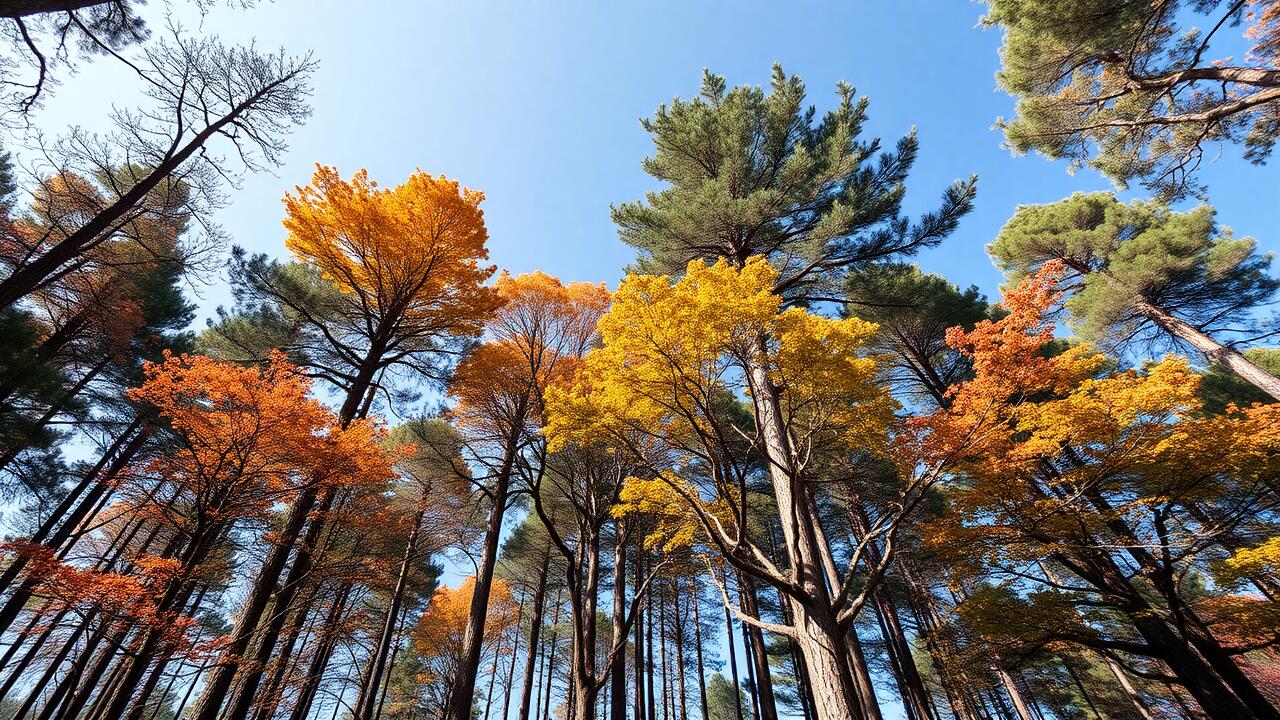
(657, 386)
(537, 336)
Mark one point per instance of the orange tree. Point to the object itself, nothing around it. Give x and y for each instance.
(1067, 465)
(389, 281)
(243, 439)
(537, 336)
(440, 637)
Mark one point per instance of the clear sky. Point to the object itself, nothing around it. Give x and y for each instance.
(537, 103)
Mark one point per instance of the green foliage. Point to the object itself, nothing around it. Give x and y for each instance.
(1220, 387)
(750, 172)
(913, 311)
(1119, 255)
(722, 697)
(1133, 89)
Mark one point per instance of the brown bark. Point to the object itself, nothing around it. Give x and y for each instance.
(1212, 349)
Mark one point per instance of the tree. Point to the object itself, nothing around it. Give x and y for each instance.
(1140, 271)
(912, 312)
(669, 352)
(1069, 465)
(201, 90)
(750, 174)
(440, 637)
(721, 699)
(392, 284)
(1138, 89)
(535, 337)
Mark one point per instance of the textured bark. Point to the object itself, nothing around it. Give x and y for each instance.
(819, 636)
(24, 8)
(462, 694)
(1212, 349)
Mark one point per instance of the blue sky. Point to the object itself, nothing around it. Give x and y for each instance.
(537, 103)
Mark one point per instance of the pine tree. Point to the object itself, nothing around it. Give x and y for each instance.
(1141, 272)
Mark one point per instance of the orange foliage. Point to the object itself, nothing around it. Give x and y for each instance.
(535, 339)
(438, 636)
(410, 254)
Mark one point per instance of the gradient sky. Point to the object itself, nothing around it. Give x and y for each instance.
(537, 103)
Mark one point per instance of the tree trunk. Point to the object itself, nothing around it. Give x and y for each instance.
(759, 653)
(24, 8)
(298, 574)
(618, 671)
(696, 600)
(219, 682)
(821, 639)
(1212, 349)
(61, 524)
(463, 693)
(535, 630)
(733, 663)
(365, 703)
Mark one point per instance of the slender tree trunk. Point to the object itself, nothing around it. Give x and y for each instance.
(638, 643)
(70, 513)
(760, 655)
(733, 663)
(365, 703)
(515, 656)
(535, 630)
(298, 574)
(696, 600)
(679, 652)
(618, 670)
(1212, 349)
(1130, 691)
(320, 660)
(219, 681)
(464, 688)
(551, 654)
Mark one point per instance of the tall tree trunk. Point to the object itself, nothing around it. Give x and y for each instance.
(61, 524)
(365, 703)
(298, 574)
(618, 670)
(1130, 691)
(638, 644)
(759, 653)
(1212, 349)
(462, 696)
(679, 652)
(696, 600)
(320, 660)
(218, 684)
(733, 663)
(819, 635)
(535, 630)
